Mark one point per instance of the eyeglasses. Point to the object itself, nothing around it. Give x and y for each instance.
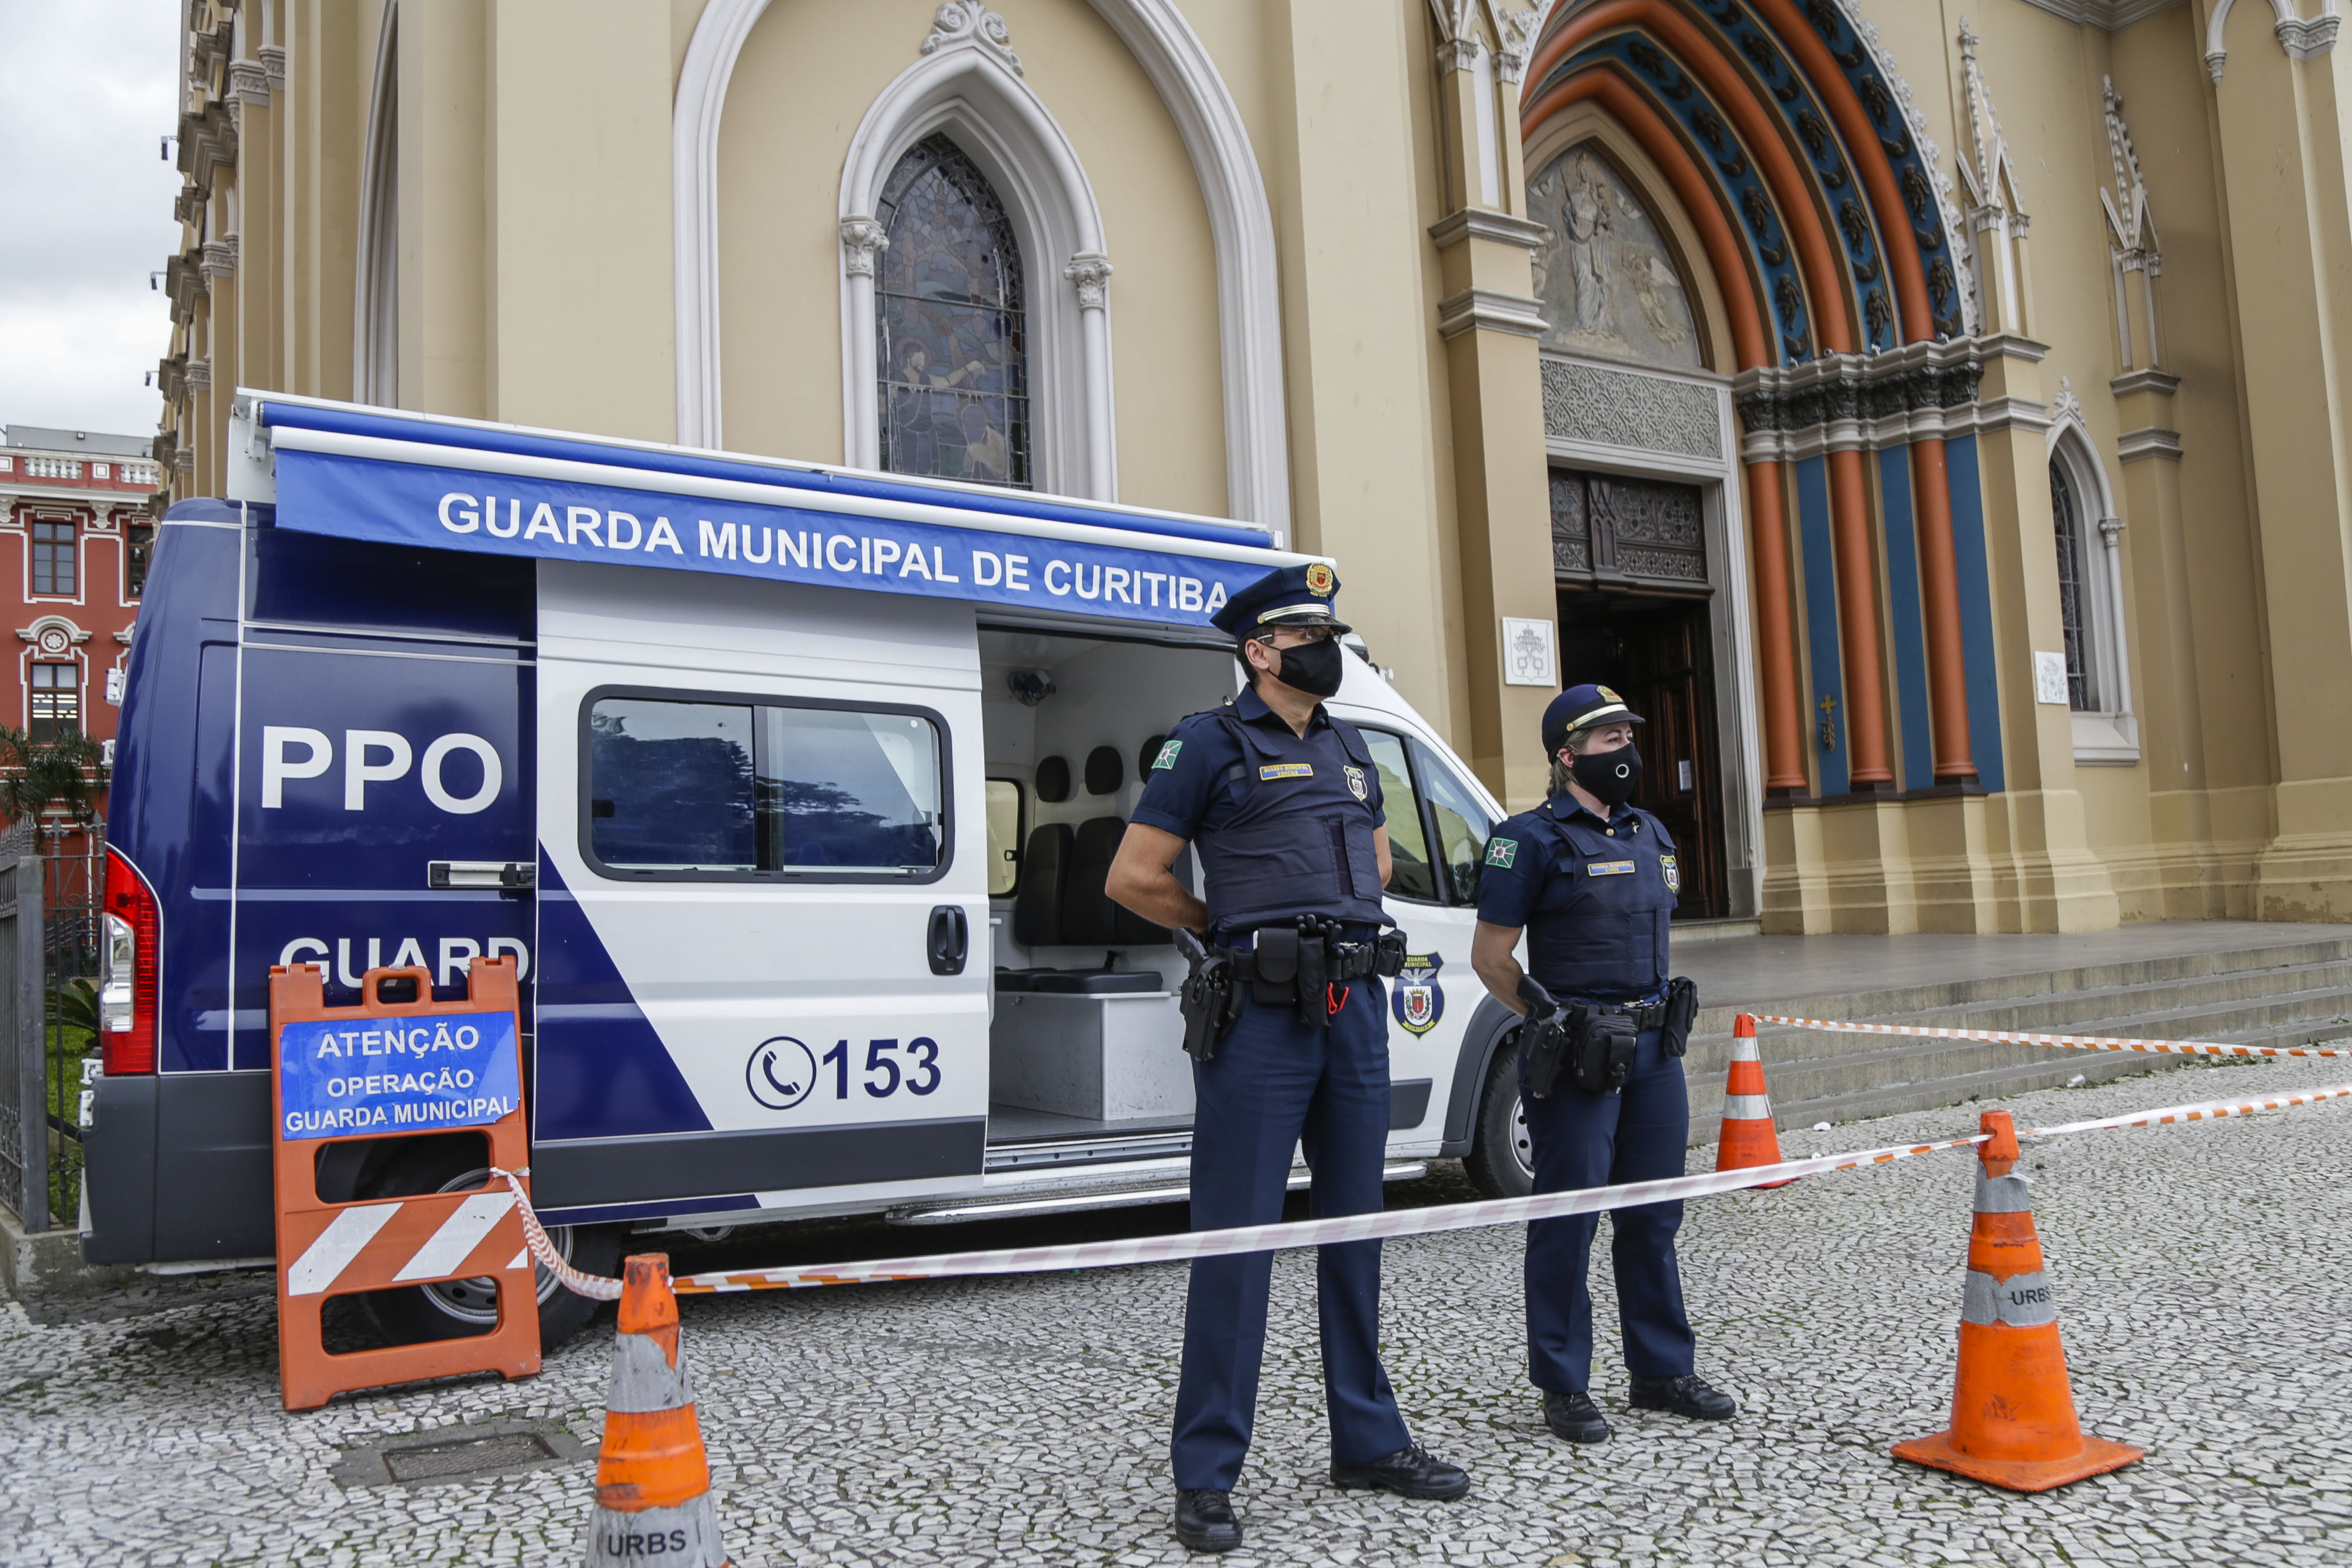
(1305, 634)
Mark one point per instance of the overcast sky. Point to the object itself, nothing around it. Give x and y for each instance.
(86, 93)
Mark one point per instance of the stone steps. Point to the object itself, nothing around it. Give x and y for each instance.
(2296, 995)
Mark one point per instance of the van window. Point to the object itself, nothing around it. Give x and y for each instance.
(1462, 824)
(698, 787)
(1005, 812)
(848, 790)
(670, 785)
(1411, 874)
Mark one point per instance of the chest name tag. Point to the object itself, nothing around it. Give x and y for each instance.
(1288, 770)
(1609, 868)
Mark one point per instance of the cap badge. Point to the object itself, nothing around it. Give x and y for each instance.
(1319, 579)
(1608, 695)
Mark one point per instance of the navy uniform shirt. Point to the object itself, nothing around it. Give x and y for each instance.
(1595, 896)
(1190, 786)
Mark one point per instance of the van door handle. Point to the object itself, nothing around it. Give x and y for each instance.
(949, 940)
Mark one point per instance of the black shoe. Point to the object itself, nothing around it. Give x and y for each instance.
(1575, 1418)
(1409, 1472)
(1688, 1395)
(1205, 1521)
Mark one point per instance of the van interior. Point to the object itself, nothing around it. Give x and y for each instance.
(1085, 1045)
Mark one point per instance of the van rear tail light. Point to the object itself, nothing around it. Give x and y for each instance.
(126, 959)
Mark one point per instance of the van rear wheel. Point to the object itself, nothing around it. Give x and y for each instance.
(458, 1309)
(1501, 1161)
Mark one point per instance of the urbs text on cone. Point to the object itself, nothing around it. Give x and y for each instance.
(1748, 1138)
(2014, 1421)
(653, 1480)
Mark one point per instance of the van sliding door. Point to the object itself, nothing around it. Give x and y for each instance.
(763, 896)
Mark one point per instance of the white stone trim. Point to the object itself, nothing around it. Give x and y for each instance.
(2108, 737)
(2134, 446)
(2108, 16)
(1241, 224)
(963, 85)
(1492, 310)
(375, 291)
(2302, 39)
(1477, 223)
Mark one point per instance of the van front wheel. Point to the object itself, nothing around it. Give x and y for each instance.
(1501, 1162)
(458, 1309)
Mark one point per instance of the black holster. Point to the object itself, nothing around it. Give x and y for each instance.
(1544, 1038)
(1210, 1001)
(1682, 1010)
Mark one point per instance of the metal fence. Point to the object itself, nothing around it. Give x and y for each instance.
(50, 927)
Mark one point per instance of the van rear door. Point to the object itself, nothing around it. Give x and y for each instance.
(763, 906)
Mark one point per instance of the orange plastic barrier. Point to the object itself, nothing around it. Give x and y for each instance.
(652, 1479)
(1750, 1139)
(395, 1069)
(2014, 1421)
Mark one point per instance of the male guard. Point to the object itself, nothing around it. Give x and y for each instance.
(1283, 804)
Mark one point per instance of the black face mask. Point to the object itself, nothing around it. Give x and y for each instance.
(1609, 777)
(1311, 667)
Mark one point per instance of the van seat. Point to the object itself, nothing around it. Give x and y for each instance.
(1090, 918)
(1038, 914)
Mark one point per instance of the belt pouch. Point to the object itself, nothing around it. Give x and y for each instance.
(1682, 1011)
(1276, 983)
(1388, 954)
(1603, 1055)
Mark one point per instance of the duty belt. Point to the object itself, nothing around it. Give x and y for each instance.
(1645, 1015)
(1350, 961)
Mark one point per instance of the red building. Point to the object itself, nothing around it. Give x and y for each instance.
(74, 532)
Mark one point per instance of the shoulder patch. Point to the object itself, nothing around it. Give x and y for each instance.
(1168, 755)
(1502, 853)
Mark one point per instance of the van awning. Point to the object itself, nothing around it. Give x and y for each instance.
(361, 472)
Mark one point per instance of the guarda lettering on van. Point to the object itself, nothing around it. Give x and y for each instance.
(453, 954)
(291, 752)
(814, 550)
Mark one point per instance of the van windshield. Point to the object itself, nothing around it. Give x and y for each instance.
(690, 788)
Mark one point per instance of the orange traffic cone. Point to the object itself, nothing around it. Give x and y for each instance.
(1748, 1137)
(653, 1480)
(2014, 1421)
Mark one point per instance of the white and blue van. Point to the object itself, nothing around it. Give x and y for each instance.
(790, 789)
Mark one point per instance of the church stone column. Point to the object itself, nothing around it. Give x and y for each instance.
(1489, 321)
(2281, 136)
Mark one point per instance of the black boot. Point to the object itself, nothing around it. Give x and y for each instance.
(1408, 1472)
(1205, 1521)
(1575, 1419)
(1688, 1395)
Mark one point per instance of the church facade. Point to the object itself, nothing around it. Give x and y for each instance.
(1927, 411)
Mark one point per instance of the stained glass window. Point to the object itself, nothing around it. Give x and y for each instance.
(2073, 612)
(950, 338)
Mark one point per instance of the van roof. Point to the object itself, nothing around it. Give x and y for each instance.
(454, 484)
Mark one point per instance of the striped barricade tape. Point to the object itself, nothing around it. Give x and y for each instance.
(1194, 1244)
(352, 1237)
(2072, 1041)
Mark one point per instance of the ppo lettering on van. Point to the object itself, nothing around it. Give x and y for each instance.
(452, 955)
(373, 756)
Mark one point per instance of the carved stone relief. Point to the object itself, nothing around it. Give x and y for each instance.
(1625, 408)
(1608, 283)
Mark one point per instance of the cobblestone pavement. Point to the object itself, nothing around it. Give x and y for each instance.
(2201, 1268)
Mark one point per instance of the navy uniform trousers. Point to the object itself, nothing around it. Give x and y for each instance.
(1273, 1085)
(1639, 1134)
